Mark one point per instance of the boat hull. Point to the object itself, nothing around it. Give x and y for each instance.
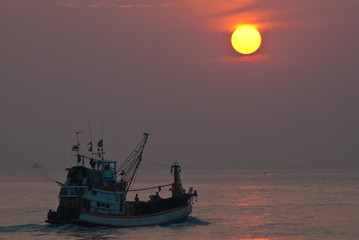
(130, 221)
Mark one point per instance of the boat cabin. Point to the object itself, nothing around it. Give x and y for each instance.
(102, 174)
(108, 170)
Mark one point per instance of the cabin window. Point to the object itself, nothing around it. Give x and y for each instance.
(107, 205)
(98, 204)
(87, 205)
(94, 193)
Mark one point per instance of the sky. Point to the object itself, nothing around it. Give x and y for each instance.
(167, 67)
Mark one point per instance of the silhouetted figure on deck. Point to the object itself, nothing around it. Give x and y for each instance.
(156, 196)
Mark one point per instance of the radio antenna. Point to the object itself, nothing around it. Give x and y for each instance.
(90, 149)
(102, 152)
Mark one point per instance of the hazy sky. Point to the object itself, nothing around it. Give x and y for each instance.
(167, 67)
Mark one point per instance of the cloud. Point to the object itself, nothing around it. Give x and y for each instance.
(93, 5)
(255, 58)
(66, 4)
(165, 4)
(274, 13)
(123, 4)
(134, 6)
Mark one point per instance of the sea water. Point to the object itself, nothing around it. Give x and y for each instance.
(234, 203)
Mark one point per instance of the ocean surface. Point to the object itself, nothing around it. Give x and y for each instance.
(235, 203)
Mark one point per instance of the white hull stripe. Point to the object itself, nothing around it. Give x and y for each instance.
(126, 221)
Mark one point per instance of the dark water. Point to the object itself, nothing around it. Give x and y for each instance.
(258, 203)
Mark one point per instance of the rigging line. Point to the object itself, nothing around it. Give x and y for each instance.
(133, 180)
(158, 164)
(131, 157)
(142, 189)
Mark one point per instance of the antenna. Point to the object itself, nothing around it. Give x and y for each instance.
(91, 148)
(77, 137)
(78, 145)
(102, 152)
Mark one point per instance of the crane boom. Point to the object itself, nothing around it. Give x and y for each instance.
(128, 170)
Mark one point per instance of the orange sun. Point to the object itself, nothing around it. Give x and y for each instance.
(246, 39)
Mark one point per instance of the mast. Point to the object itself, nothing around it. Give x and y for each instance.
(102, 152)
(177, 188)
(128, 170)
(78, 145)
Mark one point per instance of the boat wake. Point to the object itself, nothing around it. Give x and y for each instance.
(46, 228)
(21, 228)
(189, 221)
(74, 229)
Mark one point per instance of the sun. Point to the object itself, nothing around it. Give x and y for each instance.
(246, 39)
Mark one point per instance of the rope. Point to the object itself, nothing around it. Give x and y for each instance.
(142, 189)
(156, 164)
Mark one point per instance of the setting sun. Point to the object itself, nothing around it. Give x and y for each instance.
(246, 39)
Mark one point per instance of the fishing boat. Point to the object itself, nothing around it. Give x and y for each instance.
(38, 165)
(96, 195)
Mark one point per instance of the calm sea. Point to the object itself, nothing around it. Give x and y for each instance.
(253, 203)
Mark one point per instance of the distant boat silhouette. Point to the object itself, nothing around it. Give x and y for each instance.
(38, 165)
